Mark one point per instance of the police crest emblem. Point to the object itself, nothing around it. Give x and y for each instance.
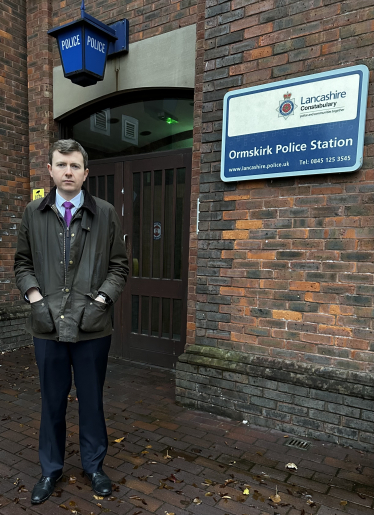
(287, 106)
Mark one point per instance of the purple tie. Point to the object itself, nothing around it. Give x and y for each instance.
(68, 206)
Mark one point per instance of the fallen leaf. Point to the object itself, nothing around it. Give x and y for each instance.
(197, 500)
(343, 503)
(209, 494)
(63, 506)
(291, 466)
(246, 491)
(72, 480)
(311, 503)
(119, 440)
(149, 446)
(173, 479)
(276, 498)
(98, 497)
(137, 498)
(123, 481)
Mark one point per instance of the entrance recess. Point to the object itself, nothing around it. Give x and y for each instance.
(151, 195)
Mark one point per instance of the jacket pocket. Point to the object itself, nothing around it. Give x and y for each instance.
(41, 319)
(95, 317)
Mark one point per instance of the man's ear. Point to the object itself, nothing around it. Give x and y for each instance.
(49, 166)
(86, 173)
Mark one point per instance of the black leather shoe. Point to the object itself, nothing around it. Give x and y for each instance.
(44, 489)
(100, 482)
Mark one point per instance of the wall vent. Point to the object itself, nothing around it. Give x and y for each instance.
(130, 129)
(99, 122)
(298, 443)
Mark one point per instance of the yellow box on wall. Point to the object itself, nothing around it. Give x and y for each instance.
(38, 193)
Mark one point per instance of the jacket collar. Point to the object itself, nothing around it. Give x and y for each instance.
(48, 201)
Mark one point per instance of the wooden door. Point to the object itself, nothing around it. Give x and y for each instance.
(105, 180)
(152, 197)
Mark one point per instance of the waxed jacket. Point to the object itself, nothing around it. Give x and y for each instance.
(96, 261)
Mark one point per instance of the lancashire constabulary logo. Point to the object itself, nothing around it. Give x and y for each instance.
(287, 106)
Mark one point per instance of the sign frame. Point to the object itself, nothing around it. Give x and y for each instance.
(287, 106)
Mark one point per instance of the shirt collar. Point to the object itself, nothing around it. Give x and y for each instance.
(77, 201)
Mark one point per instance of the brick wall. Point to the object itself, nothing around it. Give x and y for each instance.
(42, 128)
(284, 266)
(14, 173)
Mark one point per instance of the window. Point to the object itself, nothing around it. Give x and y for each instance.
(156, 124)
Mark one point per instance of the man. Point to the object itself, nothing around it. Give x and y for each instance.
(71, 265)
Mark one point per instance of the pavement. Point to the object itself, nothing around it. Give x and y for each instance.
(164, 459)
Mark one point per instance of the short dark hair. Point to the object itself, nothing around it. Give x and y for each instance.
(67, 146)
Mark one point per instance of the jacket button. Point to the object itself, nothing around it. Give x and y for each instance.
(70, 262)
(67, 289)
(61, 262)
(60, 233)
(72, 234)
(62, 316)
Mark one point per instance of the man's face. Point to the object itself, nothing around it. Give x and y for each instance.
(68, 173)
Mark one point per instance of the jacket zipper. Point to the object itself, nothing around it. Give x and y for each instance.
(64, 252)
(67, 235)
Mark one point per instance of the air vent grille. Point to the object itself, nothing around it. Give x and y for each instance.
(130, 129)
(99, 122)
(298, 443)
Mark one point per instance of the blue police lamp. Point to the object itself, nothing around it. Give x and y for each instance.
(84, 46)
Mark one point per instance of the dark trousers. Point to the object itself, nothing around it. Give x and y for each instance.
(55, 361)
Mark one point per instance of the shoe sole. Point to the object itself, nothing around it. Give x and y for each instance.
(101, 494)
(46, 498)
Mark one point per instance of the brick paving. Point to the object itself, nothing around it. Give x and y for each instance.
(170, 460)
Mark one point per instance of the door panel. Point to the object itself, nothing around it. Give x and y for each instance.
(160, 190)
(105, 180)
(151, 197)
